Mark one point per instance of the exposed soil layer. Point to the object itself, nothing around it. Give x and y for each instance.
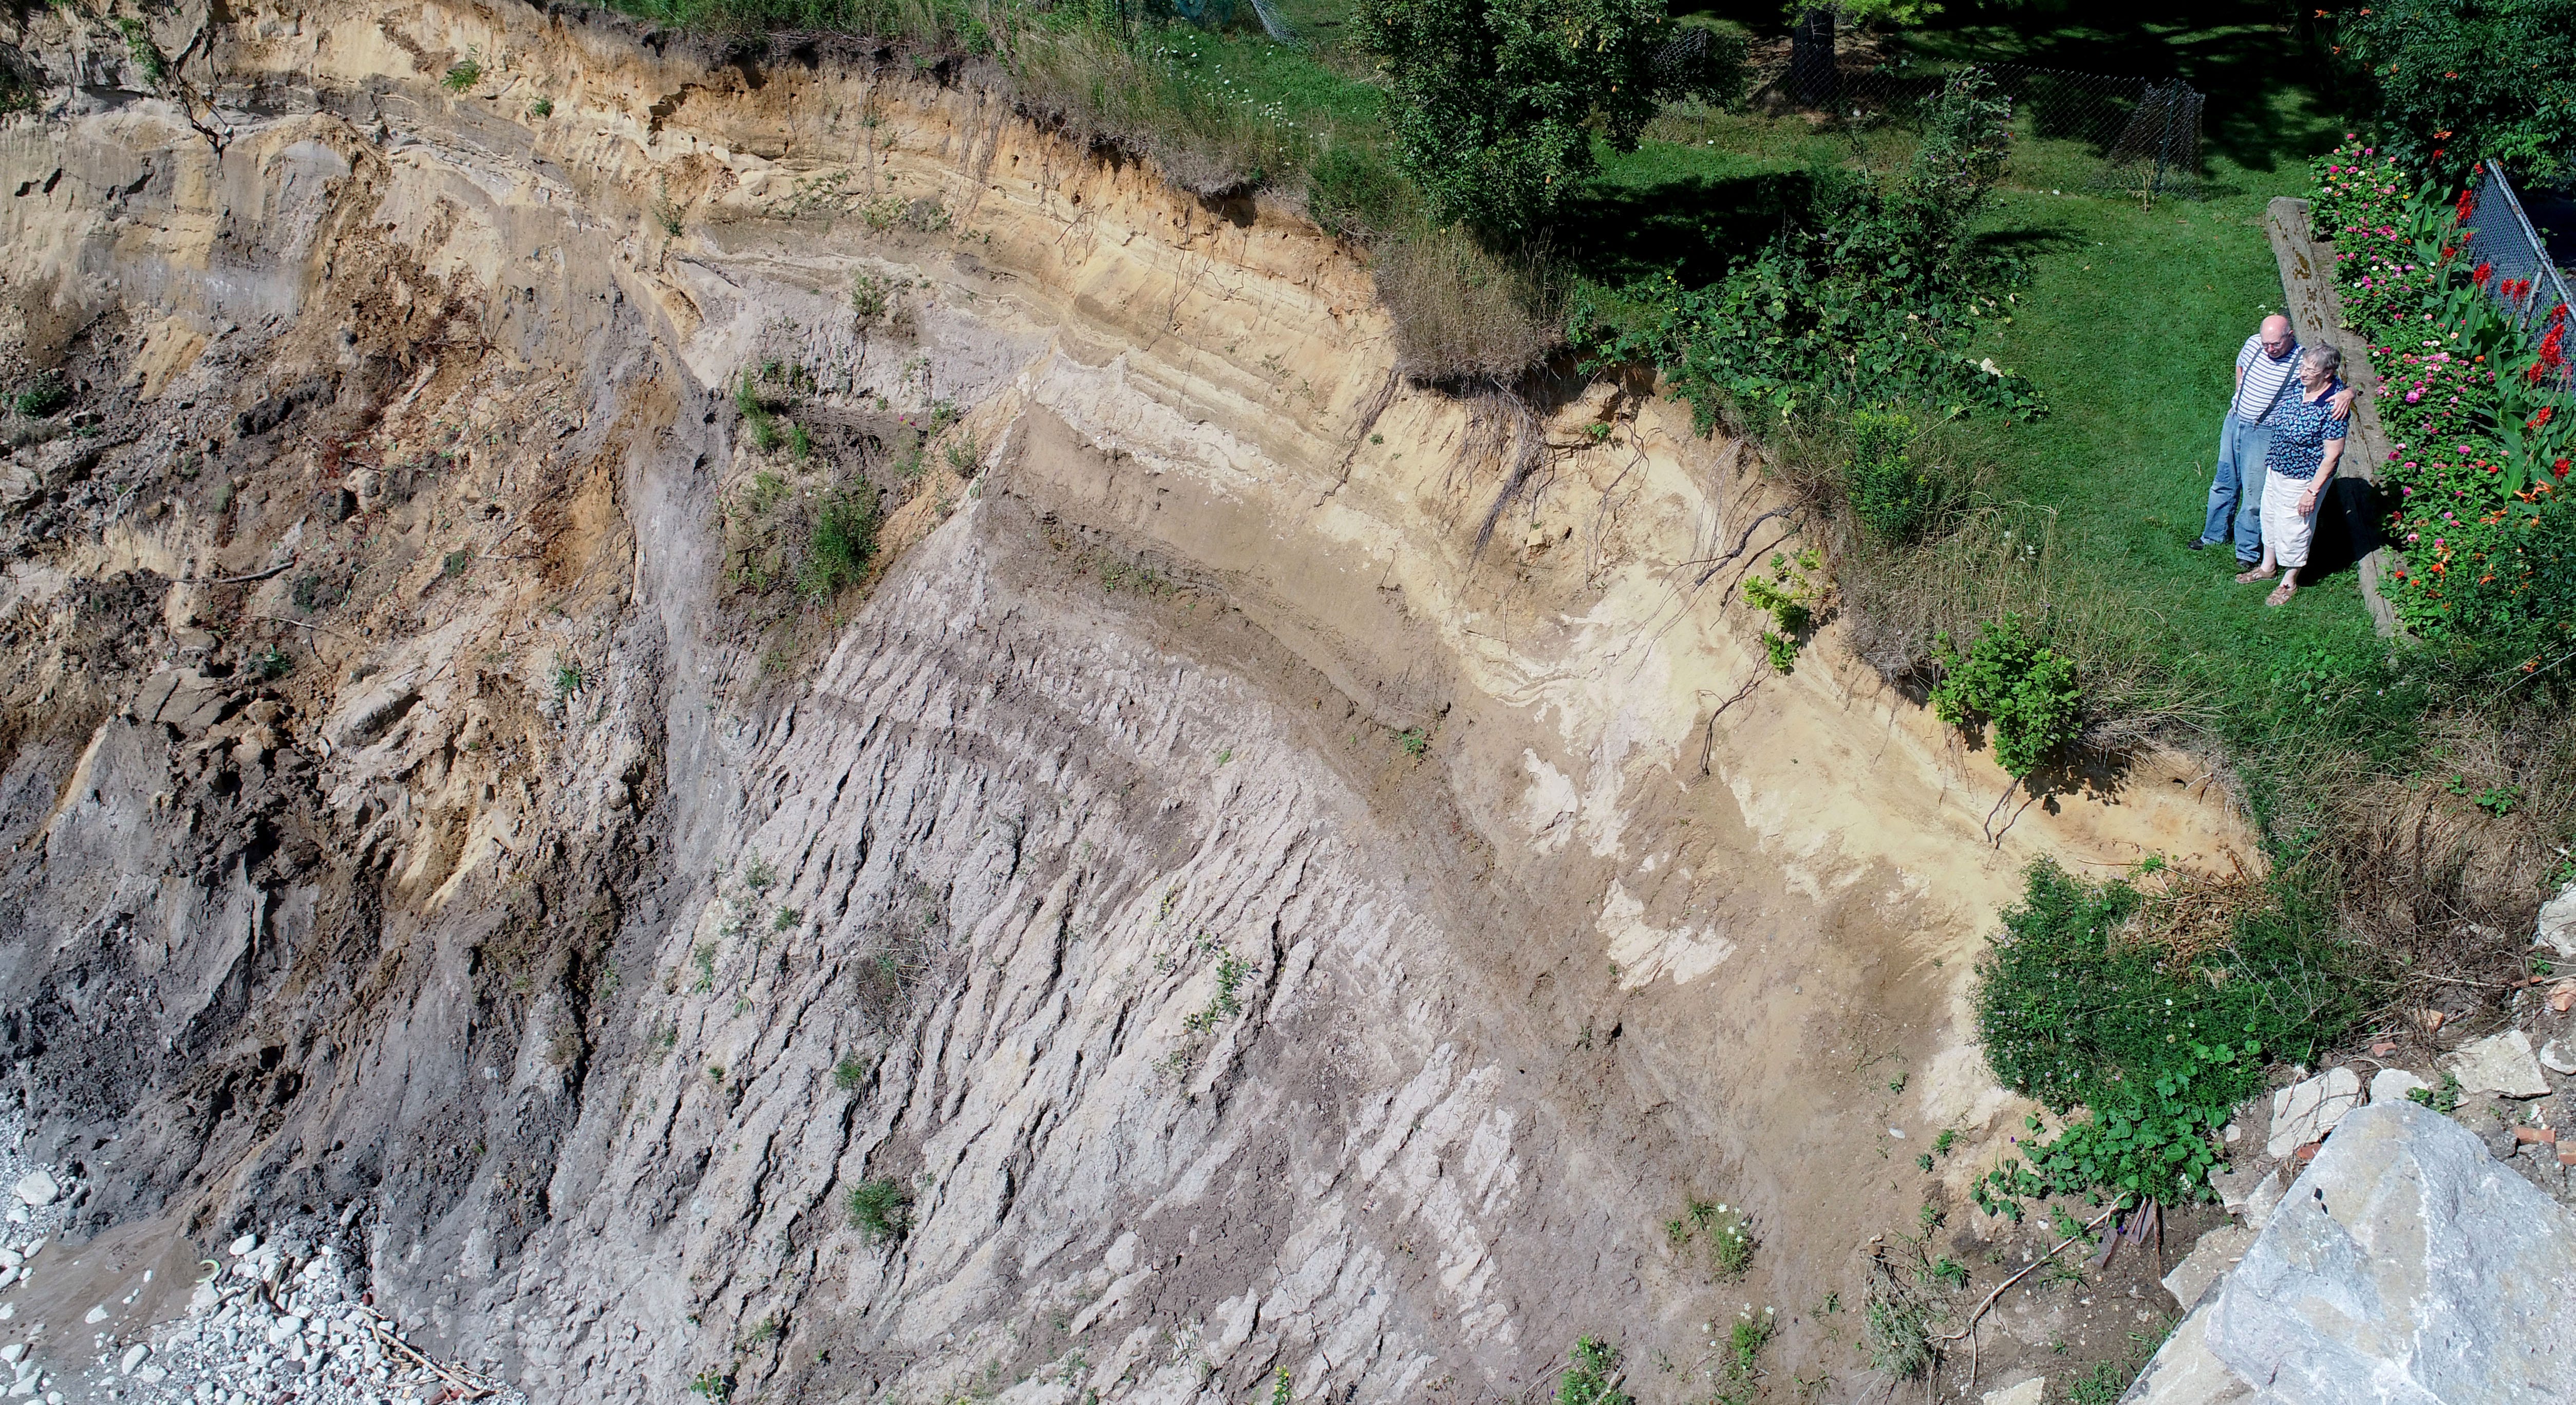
(1217, 918)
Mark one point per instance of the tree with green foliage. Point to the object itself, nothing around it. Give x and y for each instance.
(2461, 81)
(1494, 103)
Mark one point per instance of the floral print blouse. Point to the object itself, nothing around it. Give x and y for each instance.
(2300, 430)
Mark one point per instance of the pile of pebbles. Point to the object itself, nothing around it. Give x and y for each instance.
(273, 1320)
(268, 1324)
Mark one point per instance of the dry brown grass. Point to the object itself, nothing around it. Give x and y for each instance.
(1464, 314)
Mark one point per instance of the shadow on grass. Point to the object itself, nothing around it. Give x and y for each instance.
(1694, 227)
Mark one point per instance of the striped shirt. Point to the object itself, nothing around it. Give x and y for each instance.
(2267, 382)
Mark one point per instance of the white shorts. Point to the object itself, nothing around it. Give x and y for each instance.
(2286, 530)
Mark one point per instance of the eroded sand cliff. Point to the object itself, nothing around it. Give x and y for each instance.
(1259, 929)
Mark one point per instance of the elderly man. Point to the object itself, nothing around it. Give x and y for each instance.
(2267, 382)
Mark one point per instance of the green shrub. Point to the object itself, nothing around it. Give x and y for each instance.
(850, 1072)
(2007, 678)
(273, 663)
(2457, 81)
(1592, 1376)
(1870, 296)
(1787, 596)
(1889, 495)
(462, 76)
(881, 1207)
(1352, 192)
(43, 396)
(139, 46)
(542, 108)
(1896, 1331)
(2082, 1007)
(844, 539)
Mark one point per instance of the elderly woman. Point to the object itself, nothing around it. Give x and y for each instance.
(2307, 438)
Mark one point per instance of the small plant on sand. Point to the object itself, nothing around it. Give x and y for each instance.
(462, 76)
(1788, 597)
(850, 1072)
(1592, 1376)
(42, 396)
(882, 1208)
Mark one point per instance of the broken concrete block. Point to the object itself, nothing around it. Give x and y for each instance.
(2305, 1112)
(2559, 1055)
(2557, 927)
(2019, 1393)
(2391, 1085)
(2207, 1263)
(2500, 1063)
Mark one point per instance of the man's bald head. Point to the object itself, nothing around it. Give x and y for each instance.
(2276, 336)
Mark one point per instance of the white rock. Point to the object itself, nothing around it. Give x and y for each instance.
(134, 1356)
(13, 1353)
(2020, 1393)
(2305, 1112)
(2500, 1063)
(2391, 1085)
(2559, 1055)
(244, 1245)
(2207, 1263)
(152, 1375)
(95, 1315)
(38, 1189)
(2557, 927)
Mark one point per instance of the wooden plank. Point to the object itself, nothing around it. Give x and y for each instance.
(2316, 314)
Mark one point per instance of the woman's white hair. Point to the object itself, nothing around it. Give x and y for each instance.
(2328, 359)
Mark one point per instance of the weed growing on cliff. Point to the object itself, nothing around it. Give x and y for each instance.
(462, 75)
(1722, 1227)
(1414, 740)
(850, 1072)
(542, 108)
(139, 46)
(2083, 1006)
(1227, 1001)
(454, 563)
(882, 1208)
(843, 540)
(1592, 1376)
(273, 663)
(715, 1386)
(567, 679)
(868, 299)
(43, 396)
(704, 958)
(1896, 1326)
(1788, 596)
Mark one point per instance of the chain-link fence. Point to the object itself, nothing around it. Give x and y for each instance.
(2125, 136)
(2512, 260)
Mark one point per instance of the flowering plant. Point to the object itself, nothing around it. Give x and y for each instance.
(2474, 401)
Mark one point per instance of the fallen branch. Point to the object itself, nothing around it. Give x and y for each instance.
(279, 569)
(1716, 564)
(302, 624)
(1970, 1331)
(1708, 743)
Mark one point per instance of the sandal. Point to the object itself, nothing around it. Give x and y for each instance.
(2257, 574)
(2281, 594)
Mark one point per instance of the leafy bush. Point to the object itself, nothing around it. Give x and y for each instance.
(1889, 495)
(1870, 295)
(1463, 313)
(1592, 1376)
(461, 77)
(881, 1207)
(845, 538)
(1493, 104)
(2458, 81)
(2080, 1005)
(1786, 595)
(43, 395)
(2007, 678)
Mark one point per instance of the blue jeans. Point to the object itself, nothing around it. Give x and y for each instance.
(2237, 492)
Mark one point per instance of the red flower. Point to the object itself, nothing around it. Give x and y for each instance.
(2536, 421)
(2468, 203)
(2558, 469)
(2483, 274)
